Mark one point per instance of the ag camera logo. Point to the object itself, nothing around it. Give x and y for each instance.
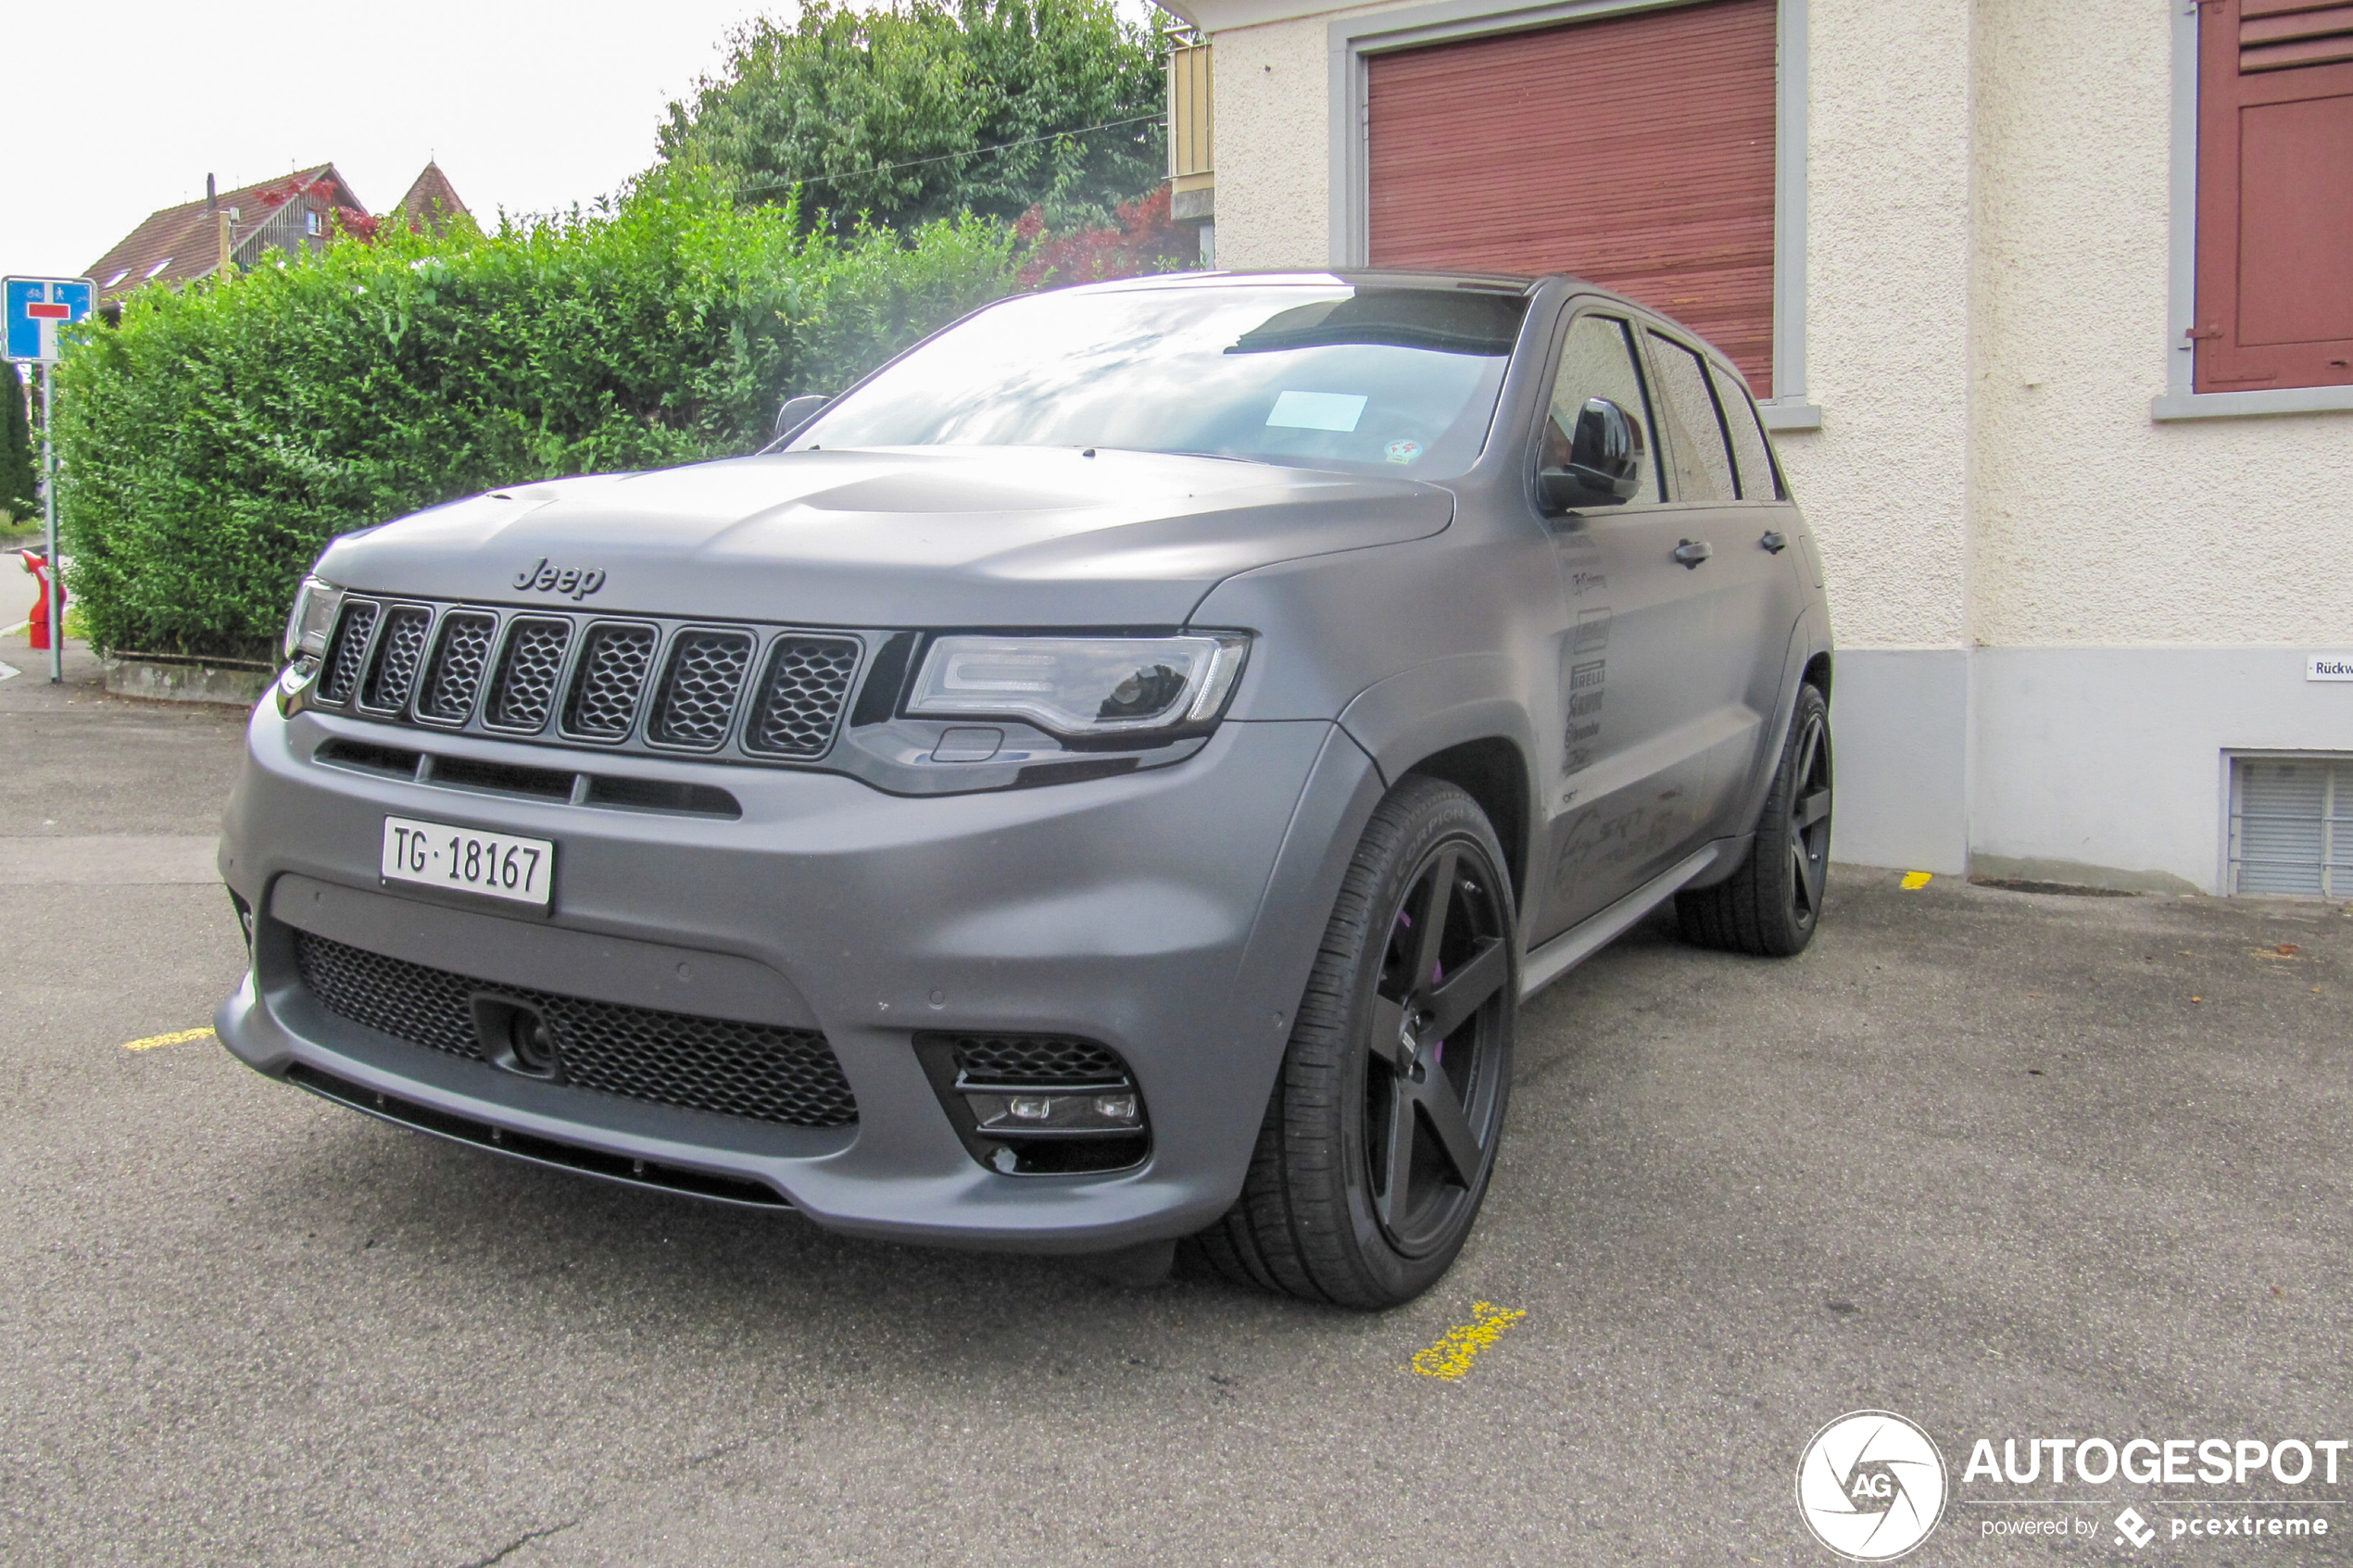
(1871, 1486)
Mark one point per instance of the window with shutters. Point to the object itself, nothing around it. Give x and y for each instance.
(2274, 194)
(1636, 150)
(2292, 827)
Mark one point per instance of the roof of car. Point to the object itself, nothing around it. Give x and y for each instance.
(1393, 277)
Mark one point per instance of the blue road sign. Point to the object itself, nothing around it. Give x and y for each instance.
(37, 307)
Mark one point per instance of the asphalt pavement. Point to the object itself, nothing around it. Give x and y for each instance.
(2010, 1164)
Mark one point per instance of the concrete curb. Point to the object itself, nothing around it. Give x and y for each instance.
(232, 684)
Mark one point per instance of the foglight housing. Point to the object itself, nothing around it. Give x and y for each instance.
(1081, 685)
(312, 620)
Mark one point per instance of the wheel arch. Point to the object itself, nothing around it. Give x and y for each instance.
(1494, 772)
(1818, 673)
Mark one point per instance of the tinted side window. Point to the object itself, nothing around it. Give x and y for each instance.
(1756, 479)
(1597, 360)
(1701, 456)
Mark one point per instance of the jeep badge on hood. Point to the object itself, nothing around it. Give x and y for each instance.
(546, 579)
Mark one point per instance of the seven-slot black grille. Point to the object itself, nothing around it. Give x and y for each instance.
(698, 690)
(1036, 1058)
(801, 700)
(398, 651)
(456, 672)
(525, 692)
(761, 1070)
(745, 692)
(612, 679)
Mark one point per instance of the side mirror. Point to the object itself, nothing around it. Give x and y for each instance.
(796, 413)
(1605, 466)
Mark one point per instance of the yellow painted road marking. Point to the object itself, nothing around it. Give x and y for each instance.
(179, 1037)
(1915, 880)
(1450, 1358)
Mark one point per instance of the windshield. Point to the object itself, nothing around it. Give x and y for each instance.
(1324, 375)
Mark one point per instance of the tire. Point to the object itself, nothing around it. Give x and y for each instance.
(1771, 904)
(1381, 1132)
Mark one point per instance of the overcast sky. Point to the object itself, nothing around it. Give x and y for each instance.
(528, 105)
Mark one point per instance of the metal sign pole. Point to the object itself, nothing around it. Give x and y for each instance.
(35, 310)
(55, 590)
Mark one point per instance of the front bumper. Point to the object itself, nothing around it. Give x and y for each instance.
(1171, 914)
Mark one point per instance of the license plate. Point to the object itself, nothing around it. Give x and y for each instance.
(500, 864)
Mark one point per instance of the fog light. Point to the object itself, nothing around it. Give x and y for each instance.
(1049, 1114)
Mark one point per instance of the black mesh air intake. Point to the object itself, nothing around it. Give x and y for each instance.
(454, 675)
(1036, 1058)
(801, 696)
(341, 677)
(698, 690)
(525, 693)
(760, 1071)
(425, 1007)
(398, 653)
(611, 682)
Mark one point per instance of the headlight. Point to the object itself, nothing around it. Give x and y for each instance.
(313, 621)
(1081, 685)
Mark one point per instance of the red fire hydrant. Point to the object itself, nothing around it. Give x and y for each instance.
(37, 629)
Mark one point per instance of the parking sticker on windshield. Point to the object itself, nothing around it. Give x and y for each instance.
(1317, 410)
(1402, 451)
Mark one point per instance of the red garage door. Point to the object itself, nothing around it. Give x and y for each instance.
(1637, 152)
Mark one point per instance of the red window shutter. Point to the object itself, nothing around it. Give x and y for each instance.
(1636, 152)
(2274, 194)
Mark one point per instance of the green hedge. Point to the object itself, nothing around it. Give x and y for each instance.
(215, 440)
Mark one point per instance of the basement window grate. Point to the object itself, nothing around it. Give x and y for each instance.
(2292, 827)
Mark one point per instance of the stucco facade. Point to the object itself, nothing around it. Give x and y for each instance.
(2058, 612)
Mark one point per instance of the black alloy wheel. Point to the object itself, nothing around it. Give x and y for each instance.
(1382, 1130)
(1771, 904)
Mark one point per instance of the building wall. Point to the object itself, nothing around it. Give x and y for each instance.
(2142, 594)
(1273, 94)
(2055, 613)
(2096, 525)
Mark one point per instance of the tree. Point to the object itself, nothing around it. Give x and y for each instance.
(1141, 238)
(17, 475)
(927, 109)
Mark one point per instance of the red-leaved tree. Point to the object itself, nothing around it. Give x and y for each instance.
(1141, 239)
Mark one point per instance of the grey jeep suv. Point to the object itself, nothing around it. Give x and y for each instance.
(1109, 777)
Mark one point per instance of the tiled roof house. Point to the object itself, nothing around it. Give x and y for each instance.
(432, 201)
(294, 212)
(179, 243)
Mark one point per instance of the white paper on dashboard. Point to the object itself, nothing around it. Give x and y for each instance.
(1317, 410)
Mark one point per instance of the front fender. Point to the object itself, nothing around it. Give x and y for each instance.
(1419, 712)
(1435, 707)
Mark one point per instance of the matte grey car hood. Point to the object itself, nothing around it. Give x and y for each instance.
(906, 537)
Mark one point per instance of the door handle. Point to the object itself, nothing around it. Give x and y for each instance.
(1775, 541)
(1691, 552)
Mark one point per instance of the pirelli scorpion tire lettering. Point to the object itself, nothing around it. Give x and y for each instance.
(1382, 1130)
